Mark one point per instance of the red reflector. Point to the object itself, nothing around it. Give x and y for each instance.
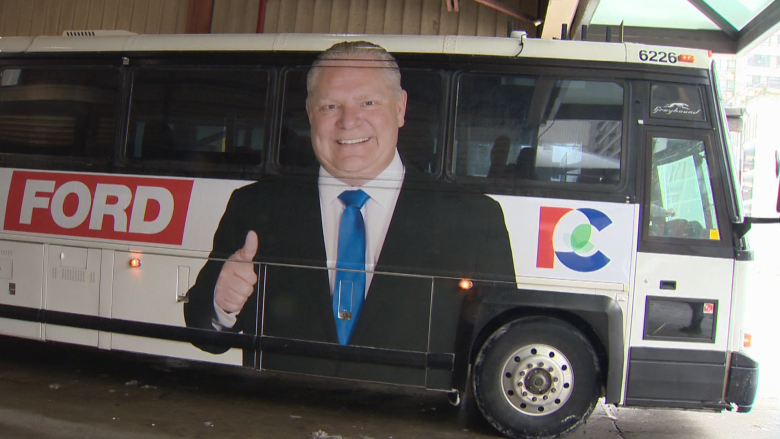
(685, 58)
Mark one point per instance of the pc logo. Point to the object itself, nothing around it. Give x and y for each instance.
(571, 244)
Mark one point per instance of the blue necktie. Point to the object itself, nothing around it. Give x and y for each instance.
(350, 287)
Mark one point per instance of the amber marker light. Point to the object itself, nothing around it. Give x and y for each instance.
(686, 58)
(747, 340)
(135, 262)
(465, 284)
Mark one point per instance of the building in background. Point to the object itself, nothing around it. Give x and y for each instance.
(750, 89)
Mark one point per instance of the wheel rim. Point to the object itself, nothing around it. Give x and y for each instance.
(537, 380)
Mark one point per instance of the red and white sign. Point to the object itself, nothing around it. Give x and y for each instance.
(99, 206)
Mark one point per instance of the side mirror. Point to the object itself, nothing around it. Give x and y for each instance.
(777, 175)
(742, 228)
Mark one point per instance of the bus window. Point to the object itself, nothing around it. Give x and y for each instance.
(680, 319)
(524, 128)
(295, 151)
(198, 115)
(418, 139)
(681, 202)
(677, 102)
(62, 112)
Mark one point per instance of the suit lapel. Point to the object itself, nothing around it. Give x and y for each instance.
(297, 239)
(314, 240)
(405, 227)
(394, 300)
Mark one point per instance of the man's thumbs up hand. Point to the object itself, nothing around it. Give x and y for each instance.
(249, 250)
(237, 278)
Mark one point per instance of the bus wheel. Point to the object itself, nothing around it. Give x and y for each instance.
(536, 377)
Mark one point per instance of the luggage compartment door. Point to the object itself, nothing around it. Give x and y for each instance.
(21, 288)
(72, 294)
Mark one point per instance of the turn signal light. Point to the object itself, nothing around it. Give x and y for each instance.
(135, 262)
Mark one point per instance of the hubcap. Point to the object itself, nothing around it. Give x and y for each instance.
(537, 380)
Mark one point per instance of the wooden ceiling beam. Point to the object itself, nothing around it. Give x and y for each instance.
(509, 10)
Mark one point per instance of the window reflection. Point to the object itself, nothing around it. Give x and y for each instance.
(512, 128)
(681, 202)
(681, 319)
(68, 112)
(198, 115)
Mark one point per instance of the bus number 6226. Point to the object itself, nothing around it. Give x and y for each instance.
(653, 56)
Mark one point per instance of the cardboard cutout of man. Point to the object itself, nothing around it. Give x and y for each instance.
(412, 225)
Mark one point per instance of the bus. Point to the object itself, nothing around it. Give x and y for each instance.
(573, 231)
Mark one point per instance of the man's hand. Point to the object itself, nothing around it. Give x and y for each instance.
(237, 279)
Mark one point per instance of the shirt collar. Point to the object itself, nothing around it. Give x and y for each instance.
(380, 189)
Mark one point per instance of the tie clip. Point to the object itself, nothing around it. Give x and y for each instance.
(345, 309)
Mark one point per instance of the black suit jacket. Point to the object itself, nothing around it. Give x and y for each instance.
(439, 233)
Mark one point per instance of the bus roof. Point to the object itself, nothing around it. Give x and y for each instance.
(517, 45)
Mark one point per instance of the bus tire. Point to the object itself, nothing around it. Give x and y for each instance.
(536, 377)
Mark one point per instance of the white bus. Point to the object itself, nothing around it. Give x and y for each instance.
(570, 228)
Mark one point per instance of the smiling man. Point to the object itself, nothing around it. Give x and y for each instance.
(343, 253)
(355, 107)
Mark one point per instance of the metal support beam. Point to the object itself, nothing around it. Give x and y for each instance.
(764, 24)
(714, 40)
(199, 15)
(582, 17)
(716, 18)
(559, 12)
(261, 17)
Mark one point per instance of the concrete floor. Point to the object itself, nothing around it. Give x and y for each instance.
(59, 392)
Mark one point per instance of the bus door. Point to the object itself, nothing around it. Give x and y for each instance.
(684, 271)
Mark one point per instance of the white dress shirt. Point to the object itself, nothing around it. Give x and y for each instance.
(377, 214)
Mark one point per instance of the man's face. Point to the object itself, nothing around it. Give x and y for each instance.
(354, 119)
